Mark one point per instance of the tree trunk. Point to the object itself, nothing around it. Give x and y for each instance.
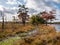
(23, 21)
(46, 23)
(2, 23)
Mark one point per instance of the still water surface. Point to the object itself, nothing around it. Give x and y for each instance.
(57, 27)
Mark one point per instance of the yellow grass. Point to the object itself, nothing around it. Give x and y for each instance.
(46, 34)
(13, 28)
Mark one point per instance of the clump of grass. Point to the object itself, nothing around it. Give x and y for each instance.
(9, 41)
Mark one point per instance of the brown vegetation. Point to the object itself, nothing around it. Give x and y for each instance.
(46, 36)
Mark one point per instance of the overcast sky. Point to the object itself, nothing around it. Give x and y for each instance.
(10, 7)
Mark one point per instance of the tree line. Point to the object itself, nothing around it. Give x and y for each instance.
(42, 17)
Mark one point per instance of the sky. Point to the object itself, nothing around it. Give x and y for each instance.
(9, 8)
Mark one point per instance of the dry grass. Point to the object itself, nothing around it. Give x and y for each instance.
(47, 34)
(11, 29)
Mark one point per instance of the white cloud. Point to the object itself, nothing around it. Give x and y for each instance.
(58, 1)
(11, 2)
(19, 2)
(58, 14)
(41, 5)
(25, 0)
(38, 5)
(14, 8)
(10, 16)
(8, 12)
(1, 8)
(31, 4)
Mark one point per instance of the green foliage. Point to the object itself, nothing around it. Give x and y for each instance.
(10, 41)
(35, 19)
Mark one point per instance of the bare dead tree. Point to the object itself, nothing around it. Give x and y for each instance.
(2, 21)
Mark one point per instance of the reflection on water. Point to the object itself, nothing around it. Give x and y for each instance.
(57, 26)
